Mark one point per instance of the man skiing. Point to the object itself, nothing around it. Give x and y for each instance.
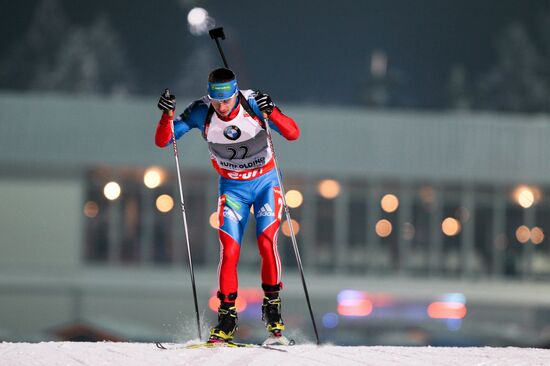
(232, 123)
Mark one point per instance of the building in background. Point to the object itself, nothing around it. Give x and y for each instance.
(414, 228)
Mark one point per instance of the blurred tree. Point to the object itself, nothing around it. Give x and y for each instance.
(55, 56)
(36, 49)
(90, 60)
(192, 76)
(517, 82)
(458, 88)
(381, 82)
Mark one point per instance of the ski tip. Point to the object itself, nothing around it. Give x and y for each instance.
(160, 345)
(279, 340)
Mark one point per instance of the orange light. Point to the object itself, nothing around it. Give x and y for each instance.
(389, 203)
(251, 294)
(427, 195)
(523, 234)
(294, 198)
(241, 304)
(91, 209)
(537, 235)
(164, 203)
(450, 226)
(447, 310)
(360, 307)
(383, 228)
(214, 302)
(213, 220)
(286, 228)
(329, 188)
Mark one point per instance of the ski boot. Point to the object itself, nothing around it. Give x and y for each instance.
(227, 323)
(271, 314)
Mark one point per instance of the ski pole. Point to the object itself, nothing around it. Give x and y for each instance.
(218, 33)
(291, 228)
(192, 273)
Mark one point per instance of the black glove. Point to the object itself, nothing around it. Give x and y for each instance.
(167, 102)
(264, 102)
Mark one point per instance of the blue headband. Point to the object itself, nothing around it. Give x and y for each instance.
(222, 91)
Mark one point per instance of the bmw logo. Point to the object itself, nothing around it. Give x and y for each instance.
(232, 133)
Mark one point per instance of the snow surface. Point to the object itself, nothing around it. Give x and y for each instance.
(146, 354)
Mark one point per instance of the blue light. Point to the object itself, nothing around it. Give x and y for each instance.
(350, 295)
(330, 320)
(454, 324)
(455, 297)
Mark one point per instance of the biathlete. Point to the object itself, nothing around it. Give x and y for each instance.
(231, 122)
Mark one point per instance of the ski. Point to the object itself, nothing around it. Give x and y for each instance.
(230, 344)
(278, 340)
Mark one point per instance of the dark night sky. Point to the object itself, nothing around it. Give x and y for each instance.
(313, 51)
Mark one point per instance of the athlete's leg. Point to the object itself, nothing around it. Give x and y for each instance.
(233, 213)
(268, 207)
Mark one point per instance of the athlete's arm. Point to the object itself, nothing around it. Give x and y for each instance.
(283, 124)
(286, 125)
(192, 117)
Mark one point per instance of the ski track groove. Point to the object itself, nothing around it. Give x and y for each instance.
(75, 359)
(307, 351)
(339, 356)
(401, 356)
(69, 353)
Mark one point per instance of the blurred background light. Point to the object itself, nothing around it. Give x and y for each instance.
(294, 198)
(111, 191)
(408, 231)
(454, 325)
(330, 320)
(353, 303)
(241, 303)
(446, 310)
(427, 195)
(454, 297)
(379, 64)
(383, 228)
(523, 234)
(450, 226)
(164, 203)
(537, 235)
(285, 228)
(463, 214)
(91, 209)
(199, 21)
(329, 188)
(248, 296)
(153, 177)
(213, 220)
(526, 196)
(389, 203)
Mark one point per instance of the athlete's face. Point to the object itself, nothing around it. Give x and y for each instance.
(224, 107)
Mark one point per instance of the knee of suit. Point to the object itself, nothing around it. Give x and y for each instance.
(268, 238)
(230, 248)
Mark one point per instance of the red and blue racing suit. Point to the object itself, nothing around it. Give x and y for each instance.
(240, 153)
